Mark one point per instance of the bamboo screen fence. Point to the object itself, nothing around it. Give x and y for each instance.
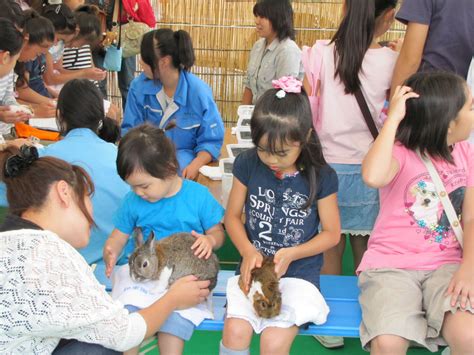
(223, 32)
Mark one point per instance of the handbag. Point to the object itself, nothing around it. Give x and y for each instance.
(444, 197)
(113, 53)
(131, 37)
(312, 59)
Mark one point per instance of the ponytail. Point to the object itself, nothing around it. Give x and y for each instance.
(185, 50)
(61, 17)
(90, 114)
(164, 42)
(354, 37)
(87, 19)
(38, 28)
(29, 179)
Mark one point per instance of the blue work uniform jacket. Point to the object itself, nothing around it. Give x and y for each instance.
(199, 125)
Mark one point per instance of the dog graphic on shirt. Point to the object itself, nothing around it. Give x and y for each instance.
(426, 206)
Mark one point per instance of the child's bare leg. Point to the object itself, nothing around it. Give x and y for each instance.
(277, 341)
(237, 334)
(388, 345)
(333, 258)
(457, 331)
(169, 344)
(359, 246)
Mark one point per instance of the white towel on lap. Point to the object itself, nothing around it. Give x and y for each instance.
(143, 294)
(301, 303)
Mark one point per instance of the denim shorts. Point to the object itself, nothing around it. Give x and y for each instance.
(358, 204)
(174, 324)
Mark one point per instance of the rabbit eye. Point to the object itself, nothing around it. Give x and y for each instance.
(263, 304)
(145, 264)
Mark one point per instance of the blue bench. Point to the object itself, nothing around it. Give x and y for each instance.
(340, 292)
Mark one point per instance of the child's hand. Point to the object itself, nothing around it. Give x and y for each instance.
(203, 245)
(396, 45)
(250, 260)
(191, 172)
(282, 259)
(397, 108)
(110, 255)
(462, 286)
(10, 116)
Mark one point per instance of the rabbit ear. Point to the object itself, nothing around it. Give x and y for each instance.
(150, 243)
(138, 237)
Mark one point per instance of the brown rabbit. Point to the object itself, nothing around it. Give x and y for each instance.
(264, 290)
(170, 259)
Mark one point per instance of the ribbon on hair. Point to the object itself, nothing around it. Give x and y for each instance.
(287, 84)
(17, 164)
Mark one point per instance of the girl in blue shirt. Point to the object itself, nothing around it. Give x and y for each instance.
(166, 91)
(162, 202)
(88, 141)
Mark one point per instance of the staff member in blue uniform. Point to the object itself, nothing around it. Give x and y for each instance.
(166, 92)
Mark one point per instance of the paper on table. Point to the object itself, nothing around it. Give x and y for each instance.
(50, 122)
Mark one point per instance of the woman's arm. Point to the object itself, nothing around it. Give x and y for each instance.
(411, 53)
(328, 237)
(379, 167)
(51, 78)
(247, 97)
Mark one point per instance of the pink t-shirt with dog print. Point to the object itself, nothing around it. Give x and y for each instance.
(412, 230)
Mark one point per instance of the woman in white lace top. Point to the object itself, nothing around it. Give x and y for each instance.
(47, 290)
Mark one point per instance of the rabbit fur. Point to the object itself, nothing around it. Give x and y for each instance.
(170, 259)
(264, 292)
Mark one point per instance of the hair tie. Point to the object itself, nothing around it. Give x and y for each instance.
(101, 124)
(17, 164)
(286, 84)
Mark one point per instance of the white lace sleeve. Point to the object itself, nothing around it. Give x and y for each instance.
(58, 297)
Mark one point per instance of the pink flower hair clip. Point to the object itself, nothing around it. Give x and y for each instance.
(287, 84)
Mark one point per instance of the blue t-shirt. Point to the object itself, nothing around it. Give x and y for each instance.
(450, 42)
(192, 208)
(36, 69)
(274, 217)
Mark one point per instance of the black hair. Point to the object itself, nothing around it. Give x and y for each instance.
(146, 148)
(163, 42)
(289, 120)
(426, 123)
(88, 114)
(12, 11)
(280, 15)
(61, 17)
(11, 39)
(87, 19)
(38, 28)
(354, 37)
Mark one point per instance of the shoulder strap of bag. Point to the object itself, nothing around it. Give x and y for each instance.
(369, 120)
(444, 196)
(116, 19)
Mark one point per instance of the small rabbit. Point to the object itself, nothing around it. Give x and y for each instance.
(170, 259)
(264, 290)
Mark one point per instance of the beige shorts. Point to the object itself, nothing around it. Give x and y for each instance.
(407, 303)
